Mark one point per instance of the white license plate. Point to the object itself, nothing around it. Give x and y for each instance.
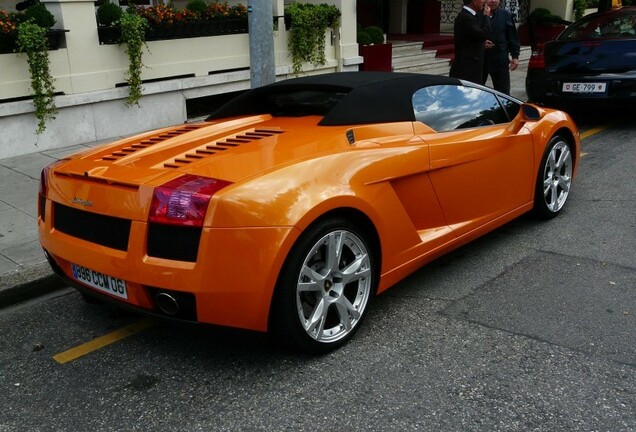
(100, 281)
(584, 87)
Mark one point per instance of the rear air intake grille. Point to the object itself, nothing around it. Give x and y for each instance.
(150, 142)
(173, 242)
(221, 146)
(103, 230)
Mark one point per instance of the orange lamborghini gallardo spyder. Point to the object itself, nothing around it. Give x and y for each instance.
(296, 203)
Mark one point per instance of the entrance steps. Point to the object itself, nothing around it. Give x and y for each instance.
(410, 57)
(433, 55)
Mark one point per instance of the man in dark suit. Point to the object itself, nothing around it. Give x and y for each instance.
(503, 57)
(471, 30)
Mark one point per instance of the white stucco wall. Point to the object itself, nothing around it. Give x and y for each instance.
(92, 107)
(562, 8)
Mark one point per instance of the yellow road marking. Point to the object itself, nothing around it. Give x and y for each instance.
(593, 131)
(583, 154)
(102, 341)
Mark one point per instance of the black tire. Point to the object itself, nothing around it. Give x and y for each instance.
(310, 286)
(554, 179)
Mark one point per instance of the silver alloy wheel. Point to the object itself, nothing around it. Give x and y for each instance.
(557, 176)
(334, 286)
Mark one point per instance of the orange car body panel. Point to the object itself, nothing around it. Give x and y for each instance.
(424, 192)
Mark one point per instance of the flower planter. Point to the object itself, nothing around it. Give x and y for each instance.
(378, 57)
(9, 41)
(109, 35)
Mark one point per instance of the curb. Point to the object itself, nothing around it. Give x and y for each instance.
(28, 283)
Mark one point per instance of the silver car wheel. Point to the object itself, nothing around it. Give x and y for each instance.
(334, 286)
(557, 177)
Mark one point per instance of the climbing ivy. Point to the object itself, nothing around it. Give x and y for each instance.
(307, 33)
(32, 41)
(133, 35)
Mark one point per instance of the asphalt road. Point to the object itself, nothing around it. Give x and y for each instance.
(532, 327)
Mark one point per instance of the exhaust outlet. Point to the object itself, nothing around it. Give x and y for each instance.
(167, 304)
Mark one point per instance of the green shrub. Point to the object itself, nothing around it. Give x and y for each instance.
(108, 13)
(543, 15)
(371, 35)
(376, 34)
(39, 14)
(579, 9)
(198, 6)
(362, 37)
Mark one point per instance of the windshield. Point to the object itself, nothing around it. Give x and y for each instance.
(616, 25)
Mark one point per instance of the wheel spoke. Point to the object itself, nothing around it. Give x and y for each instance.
(552, 161)
(547, 184)
(316, 322)
(352, 272)
(311, 286)
(564, 183)
(563, 158)
(312, 274)
(346, 312)
(554, 194)
(334, 250)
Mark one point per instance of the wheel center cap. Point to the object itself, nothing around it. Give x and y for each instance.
(328, 285)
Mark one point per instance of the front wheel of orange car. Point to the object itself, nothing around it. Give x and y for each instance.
(325, 288)
(554, 179)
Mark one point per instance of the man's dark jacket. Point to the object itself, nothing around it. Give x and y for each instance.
(503, 33)
(471, 33)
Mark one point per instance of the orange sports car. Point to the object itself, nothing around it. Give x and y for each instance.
(296, 203)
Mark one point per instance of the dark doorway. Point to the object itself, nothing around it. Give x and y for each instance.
(423, 17)
(373, 13)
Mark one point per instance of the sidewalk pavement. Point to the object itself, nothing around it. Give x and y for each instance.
(24, 272)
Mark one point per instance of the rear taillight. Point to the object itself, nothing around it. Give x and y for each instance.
(184, 201)
(43, 188)
(537, 60)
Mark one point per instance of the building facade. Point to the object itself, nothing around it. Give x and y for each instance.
(90, 76)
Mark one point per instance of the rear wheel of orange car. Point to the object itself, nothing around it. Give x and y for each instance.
(325, 288)
(554, 179)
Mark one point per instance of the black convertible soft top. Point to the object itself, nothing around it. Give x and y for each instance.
(344, 98)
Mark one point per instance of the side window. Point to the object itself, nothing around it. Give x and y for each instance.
(512, 108)
(450, 107)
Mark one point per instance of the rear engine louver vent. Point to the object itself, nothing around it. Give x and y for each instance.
(221, 146)
(151, 141)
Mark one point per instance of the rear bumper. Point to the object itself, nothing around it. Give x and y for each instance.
(231, 283)
(547, 89)
(186, 315)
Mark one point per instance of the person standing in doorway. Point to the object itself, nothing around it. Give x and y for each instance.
(503, 56)
(471, 30)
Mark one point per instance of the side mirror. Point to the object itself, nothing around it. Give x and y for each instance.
(531, 112)
(527, 113)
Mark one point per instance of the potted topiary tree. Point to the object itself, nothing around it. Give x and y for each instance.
(107, 15)
(377, 54)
